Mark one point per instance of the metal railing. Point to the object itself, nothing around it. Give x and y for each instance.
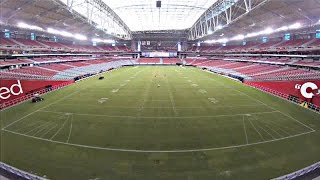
(20, 173)
(24, 98)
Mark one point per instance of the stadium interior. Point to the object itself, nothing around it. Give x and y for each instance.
(160, 89)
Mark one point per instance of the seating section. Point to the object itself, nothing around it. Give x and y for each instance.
(30, 45)
(61, 70)
(271, 46)
(149, 61)
(171, 60)
(257, 71)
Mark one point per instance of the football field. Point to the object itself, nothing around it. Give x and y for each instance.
(157, 122)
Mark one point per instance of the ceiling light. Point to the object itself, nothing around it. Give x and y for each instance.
(224, 40)
(267, 31)
(219, 27)
(283, 28)
(27, 26)
(96, 40)
(109, 41)
(80, 37)
(238, 37)
(65, 33)
(252, 34)
(295, 26)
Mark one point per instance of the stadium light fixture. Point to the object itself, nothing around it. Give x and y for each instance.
(219, 27)
(267, 31)
(103, 40)
(99, 27)
(80, 37)
(251, 35)
(96, 40)
(67, 34)
(209, 41)
(27, 26)
(109, 41)
(238, 37)
(283, 28)
(295, 26)
(223, 40)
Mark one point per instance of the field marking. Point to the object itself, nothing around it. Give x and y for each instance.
(278, 111)
(245, 130)
(70, 129)
(261, 127)
(43, 128)
(146, 94)
(151, 107)
(159, 117)
(284, 127)
(158, 151)
(259, 124)
(270, 128)
(49, 130)
(63, 98)
(256, 129)
(265, 104)
(171, 97)
(39, 127)
(267, 125)
(60, 128)
(28, 125)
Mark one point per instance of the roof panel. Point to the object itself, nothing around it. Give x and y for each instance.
(142, 15)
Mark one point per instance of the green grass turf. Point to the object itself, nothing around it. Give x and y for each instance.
(159, 123)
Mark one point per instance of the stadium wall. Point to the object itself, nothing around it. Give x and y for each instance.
(15, 91)
(292, 88)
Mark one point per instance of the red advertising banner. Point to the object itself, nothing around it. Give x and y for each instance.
(12, 89)
(305, 90)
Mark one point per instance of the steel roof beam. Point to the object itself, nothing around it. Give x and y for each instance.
(221, 14)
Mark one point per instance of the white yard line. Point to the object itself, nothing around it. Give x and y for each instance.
(277, 110)
(49, 130)
(146, 95)
(160, 117)
(259, 126)
(267, 105)
(171, 97)
(151, 107)
(28, 125)
(256, 129)
(38, 127)
(70, 129)
(65, 97)
(43, 128)
(60, 128)
(157, 151)
(245, 130)
(284, 127)
(267, 125)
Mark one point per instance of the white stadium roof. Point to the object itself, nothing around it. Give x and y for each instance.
(143, 15)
